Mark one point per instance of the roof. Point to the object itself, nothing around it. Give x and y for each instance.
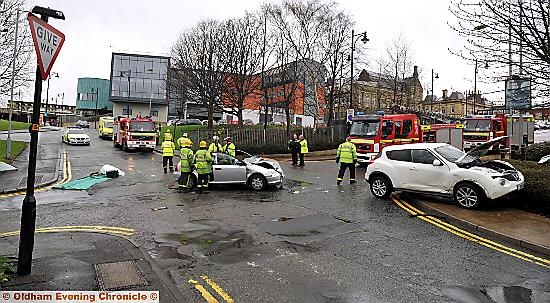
(415, 146)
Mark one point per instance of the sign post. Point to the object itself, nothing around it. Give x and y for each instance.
(47, 43)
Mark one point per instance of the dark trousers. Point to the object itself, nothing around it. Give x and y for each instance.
(294, 158)
(203, 182)
(183, 180)
(302, 159)
(342, 171)
(166, 160)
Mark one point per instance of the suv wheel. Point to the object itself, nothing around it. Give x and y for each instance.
(380, 187)
(468, 195)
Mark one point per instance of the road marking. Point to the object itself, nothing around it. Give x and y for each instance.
(218, 289)
(472, 237)
(94, 229)
(204, 292)
(67, 176)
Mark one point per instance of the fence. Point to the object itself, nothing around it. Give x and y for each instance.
(271, 140)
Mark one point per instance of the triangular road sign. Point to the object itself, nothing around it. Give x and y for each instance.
(47, 43)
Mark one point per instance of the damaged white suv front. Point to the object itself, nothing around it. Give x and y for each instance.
(442, 169)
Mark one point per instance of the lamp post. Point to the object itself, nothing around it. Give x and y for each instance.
(48, 94)
(62, 95)
(96, 98)
(129, 72)
(475, 85)
(364, 39)
(433, 95)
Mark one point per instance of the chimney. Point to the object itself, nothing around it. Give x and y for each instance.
(415, 73)
(444, 94)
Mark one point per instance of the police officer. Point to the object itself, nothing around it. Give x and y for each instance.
(215, 146)
(203, 162)
(187, 164)
(303, 149)
(182, 140)
(168, 154)
(347, 157)
(229, 147)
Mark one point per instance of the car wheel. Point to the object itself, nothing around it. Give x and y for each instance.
(257, 182)
(380, 187)
(468, 195)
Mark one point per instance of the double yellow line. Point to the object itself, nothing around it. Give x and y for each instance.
(470, 236)
(93, 229)
(67, 176)
(206, 294)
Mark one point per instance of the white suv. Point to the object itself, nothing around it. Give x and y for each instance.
(441, 169)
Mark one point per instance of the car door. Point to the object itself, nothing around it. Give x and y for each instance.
(400, 163)
(228, 169)
(426, 177)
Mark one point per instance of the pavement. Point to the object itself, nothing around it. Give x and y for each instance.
(521, 228)
(83, 261)
(48, 165)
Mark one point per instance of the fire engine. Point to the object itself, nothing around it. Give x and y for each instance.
(371, 133)
(480, 129)
(134, 133)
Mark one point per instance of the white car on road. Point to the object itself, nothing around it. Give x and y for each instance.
(441, 169)
(73, 135)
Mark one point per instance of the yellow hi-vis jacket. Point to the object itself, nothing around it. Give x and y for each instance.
(347, 152)
(168, 148)
(303, 147)
(229, 149)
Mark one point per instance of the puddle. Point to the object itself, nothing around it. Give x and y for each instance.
(309, 228)
(289, 183)
(498, 294)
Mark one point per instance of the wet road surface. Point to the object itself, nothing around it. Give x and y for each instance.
(312, 241)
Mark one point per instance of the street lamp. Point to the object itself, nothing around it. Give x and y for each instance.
(48, 94)
(364, 39)
(475, 86)
(129, 73)
(96, 98)
(433, 95)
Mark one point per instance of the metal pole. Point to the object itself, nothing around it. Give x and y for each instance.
(28, 211)
(351, 78)
(432, 96)
(62, 103)
(96, 98)
(128, 104)
(509, 38)
(520, 42)
(47, 96)
(475, 90)
(8, 141)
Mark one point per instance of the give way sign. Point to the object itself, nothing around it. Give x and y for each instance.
(47, 43)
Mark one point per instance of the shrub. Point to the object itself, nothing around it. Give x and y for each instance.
(536, 151)
(536, 195)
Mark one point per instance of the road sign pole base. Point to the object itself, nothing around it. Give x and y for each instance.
(26, 235)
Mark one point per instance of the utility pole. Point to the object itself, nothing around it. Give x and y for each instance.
(8, 140)
(475, 90)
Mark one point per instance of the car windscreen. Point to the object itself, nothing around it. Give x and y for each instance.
(142, 126)
(73, 131)
(108, 124)
(452, 154)
(477, 125)
(365, 128)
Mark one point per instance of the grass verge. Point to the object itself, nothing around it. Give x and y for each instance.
(16, 148)
(14, 125)
(5, 269)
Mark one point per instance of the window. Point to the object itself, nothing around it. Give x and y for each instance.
(125, 111)
(299, 121)
(398, 129)
(224, 159)
(422, 156)
(154, 111)
(400, 155)
(407, 128)
(387, 128)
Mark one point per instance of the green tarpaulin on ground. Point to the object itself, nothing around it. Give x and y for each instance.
(83, 183)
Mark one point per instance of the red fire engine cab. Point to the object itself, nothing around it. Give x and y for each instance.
(479, 129)
(371, 133)
(134, 133)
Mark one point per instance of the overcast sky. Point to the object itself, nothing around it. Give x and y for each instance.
(96, 28)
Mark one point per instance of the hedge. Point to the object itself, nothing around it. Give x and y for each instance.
(535, 197)
(536, 151)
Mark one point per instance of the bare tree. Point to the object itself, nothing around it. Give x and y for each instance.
(242, 53)
(512, 36)
(398, 63)
(25, 48)
(196, 55)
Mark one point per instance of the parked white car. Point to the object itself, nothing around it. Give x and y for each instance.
(441, 169)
